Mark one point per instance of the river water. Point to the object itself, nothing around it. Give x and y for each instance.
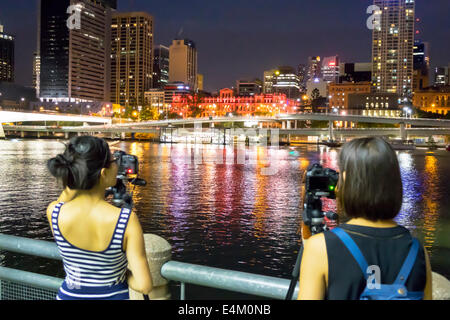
(227, 213)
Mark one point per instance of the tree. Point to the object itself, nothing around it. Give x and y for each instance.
(315, 94)
(149, 113)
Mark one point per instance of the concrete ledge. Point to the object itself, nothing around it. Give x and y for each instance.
(441, 287)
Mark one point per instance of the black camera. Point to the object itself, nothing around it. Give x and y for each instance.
(128, 165)
(320, 182)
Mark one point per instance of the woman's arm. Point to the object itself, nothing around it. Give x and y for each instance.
(139, 278)
(314, 269)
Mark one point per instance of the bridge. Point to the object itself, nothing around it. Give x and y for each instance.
(287, 118)
(420, 127)
(12, 117)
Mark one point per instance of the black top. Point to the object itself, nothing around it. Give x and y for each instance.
(385, 247)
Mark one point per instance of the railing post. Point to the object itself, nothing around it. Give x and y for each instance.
(2, 132)
(331, 130)
(158, 251)
(403, 133)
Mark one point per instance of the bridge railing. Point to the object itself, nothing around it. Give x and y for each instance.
(22, 285)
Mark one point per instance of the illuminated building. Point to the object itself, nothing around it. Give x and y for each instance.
(433, 99)
(249, 88)
(373, 105)
(316, 87)
(441, 76)
(200, 82)
(421, 68)
(155, 99)
(302, 75)
(330, 69)
(355, 72)
(392, 46)
(183, 62)
(74, 62)
(131, 57)
(314, 68)
(268, 81)
(36, 72)
(228, 104)
(339, 92)
(6, 56)
(283, 80)
(160, 66)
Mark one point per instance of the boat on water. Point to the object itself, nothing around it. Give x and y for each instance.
(402, 144)
(332, 143)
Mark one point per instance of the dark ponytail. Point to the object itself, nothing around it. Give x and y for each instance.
(80, 165)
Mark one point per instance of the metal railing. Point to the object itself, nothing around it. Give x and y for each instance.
(23, 285)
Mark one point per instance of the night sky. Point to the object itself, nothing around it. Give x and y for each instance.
(239, 39)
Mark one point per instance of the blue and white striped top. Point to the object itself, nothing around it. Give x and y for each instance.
(93, 275)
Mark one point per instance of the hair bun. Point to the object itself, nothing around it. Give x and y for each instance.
(63, 160)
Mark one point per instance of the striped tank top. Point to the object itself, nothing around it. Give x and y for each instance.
(92, 275)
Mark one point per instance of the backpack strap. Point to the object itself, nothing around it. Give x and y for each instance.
(353, 248)
(408, 264)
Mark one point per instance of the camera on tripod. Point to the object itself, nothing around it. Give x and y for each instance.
(128, 166)
(320, 182)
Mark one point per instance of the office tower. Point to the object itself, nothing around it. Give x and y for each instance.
(36, 72)
(286, 81)
(6, 56)
(268, 81)
(183, 62)
(314, 68)
(131, 58)
(421, 65)
(330, 69)
(355, 72)
(249, 88)
(74, 58)
(392, 46)
(302, 72)
(160, 66)
(441, 76)
(200, 82)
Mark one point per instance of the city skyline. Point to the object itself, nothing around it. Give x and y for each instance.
(230, 40)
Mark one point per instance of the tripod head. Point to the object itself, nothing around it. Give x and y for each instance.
(128, 165)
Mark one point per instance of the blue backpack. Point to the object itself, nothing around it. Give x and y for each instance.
(395, 291)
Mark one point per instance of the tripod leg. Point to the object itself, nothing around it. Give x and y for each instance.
(295, 275)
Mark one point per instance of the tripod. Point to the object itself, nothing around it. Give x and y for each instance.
(295, 275)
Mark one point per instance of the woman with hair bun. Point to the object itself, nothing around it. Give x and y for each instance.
(102, 246)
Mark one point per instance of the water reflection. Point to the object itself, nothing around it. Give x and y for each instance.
(213, 209)
(430, 198)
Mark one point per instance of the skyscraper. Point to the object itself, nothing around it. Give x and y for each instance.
(160, 66)
(75, 60)
(132, 57)
(330, 69)
(183, 62)
(392, 46)
(286, 81)
(6, 56)
(421, 65)
(314, 68)
(268, 81)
